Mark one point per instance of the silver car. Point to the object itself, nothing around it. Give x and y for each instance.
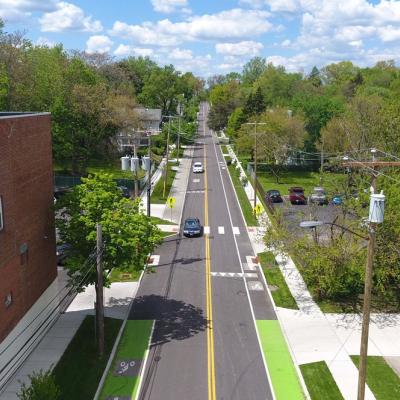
(318, 196)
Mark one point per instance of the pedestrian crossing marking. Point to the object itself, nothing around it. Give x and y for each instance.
(234, 274)
(236, 230)
(255, 285)
(221, 230)
(197, 180)
(250, 264)
(206, 230)
(153, 260)
(223, 167)
(195, 191)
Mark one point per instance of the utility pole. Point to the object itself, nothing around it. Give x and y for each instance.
(135, 173)
(99, 292)
(362, 369)
(166, 167)
(149, 178)
(255, 161)
(179, 130)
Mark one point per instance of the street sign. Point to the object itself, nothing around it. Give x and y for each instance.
(258, 209)
(171, 202)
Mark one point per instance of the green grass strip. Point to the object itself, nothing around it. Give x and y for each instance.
(381, 379)
(320, 382)
(243, 199)
(283, 374)
(80, 368)
(281, 293)
(133, 345)
(157, 195)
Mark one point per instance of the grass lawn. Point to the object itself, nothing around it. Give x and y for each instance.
(224, 149)
(133, 346)
(157, 195)
(308, 180)
(243, 200)
(96, 166)
(320, 382)
(381, 379)
(79, 370)
(273, 275)
(124, 276)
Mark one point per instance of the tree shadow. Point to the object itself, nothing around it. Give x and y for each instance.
(175, 319)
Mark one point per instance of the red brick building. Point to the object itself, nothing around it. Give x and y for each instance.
(27, 237)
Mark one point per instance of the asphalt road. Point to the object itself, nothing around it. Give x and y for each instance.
(205, 344)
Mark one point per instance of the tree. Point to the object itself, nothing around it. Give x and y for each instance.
(129, 236)
(315, 77)
(235, 121)
(253, 69)
(42, 387)
(254, 103)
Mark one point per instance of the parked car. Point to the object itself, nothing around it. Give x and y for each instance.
(192, 227)
(63, 249)
(198, 167)
(296, 195)
(273, 196)
(318, 196)
(125, 191)
(337, 199)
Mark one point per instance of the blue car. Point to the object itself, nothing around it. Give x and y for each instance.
(337, 199)
(192, 227)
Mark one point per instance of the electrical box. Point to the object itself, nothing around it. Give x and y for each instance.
(376, 208)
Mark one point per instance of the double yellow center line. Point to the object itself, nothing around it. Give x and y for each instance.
(209, 308)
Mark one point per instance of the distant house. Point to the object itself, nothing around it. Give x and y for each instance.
(28, 266)
(149, 122)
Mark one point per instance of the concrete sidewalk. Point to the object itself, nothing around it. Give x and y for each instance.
(49, 351)
(315, 336)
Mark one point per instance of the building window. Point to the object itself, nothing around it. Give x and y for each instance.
(1, 214)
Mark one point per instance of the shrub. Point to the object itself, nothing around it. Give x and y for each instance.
(42, 387)
(244, 180)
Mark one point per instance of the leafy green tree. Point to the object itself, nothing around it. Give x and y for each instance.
(129, 236)
(254, 103)
(253, 69)
(235, 121)
(42, 387)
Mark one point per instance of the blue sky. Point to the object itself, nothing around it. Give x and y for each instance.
(212, 37)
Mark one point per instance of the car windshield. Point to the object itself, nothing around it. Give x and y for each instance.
(191, 223)
(298, 190)
(319, 191)
(197, 164)
(274, 193)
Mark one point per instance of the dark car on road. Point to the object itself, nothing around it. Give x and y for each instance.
(273, 196)
(192, 227)
(296, 195)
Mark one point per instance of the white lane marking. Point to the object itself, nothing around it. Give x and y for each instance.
(196, 180)
(195, 191)
(235, 230)
(234, 274)
(223, 168)
(206, 230)
(255, 285)
(153, 260)
(221, 230)
(245, 281)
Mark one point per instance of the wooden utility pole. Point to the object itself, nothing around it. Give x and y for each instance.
(99, 293)
(135, 173)
(149, 177)
(166, 167)
(373, 166)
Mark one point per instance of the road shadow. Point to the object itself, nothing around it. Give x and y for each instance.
(175, 319)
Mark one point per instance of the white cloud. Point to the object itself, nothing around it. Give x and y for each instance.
(170, 6)
(124, 50)
(286, 43)
(178, 54)
(19, 10)
(244, 48)
(69, 17)
(232, 24)
(43, 41)
(99, 44)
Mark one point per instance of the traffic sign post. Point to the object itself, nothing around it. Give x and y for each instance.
(258, 210)
(171, 204)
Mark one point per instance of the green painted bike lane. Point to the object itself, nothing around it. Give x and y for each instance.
(282, 371)
(133, 347)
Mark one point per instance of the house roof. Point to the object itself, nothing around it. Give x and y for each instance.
(148, 114)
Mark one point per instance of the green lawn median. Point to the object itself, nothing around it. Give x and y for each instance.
(320, 382)
(245, 205)
(123, 378)
(276, 282)
(282, 371)
(80, 369)
(381, 379)
(157, 195)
